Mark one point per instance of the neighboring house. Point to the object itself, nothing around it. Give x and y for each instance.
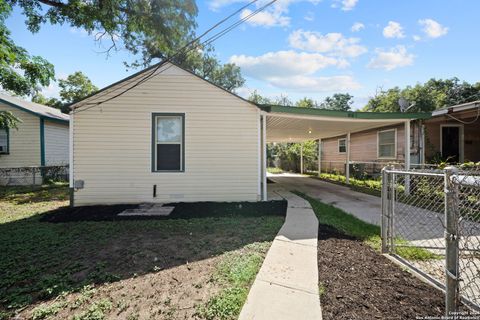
(40, 140)
(452, 133)
(167, 135)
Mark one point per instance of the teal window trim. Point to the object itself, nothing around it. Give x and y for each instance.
(7, 130)
(153, 139)
(42, 142)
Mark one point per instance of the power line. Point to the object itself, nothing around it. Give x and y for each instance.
(180, 51)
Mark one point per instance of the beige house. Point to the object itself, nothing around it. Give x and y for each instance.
(450, 134)
(167, 135)
(41, 138)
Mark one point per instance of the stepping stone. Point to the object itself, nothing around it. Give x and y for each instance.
(147, 210)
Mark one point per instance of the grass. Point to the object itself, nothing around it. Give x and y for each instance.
(42, 262)
(369, 186)
(368, 233)
(236, 273)
(274, 170)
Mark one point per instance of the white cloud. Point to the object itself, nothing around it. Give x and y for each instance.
(244, 92)
(334, 43)
(80, 31)
(283, 64)
(310, 16)
(357, 26)
(266, 18)
(416, 38)
(215, 5)
(346, 5)
(394, 58)
(295, 71)
(316, 84)
(432, 28)
(393, 30)
(273, 15)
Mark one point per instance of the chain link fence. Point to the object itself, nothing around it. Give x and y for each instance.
(25, 176)
(431, 223)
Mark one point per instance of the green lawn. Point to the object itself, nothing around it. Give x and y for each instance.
(94, 270)
(369, 233)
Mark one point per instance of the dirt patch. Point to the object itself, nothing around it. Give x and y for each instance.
(167, 294)
(358, 283)
(183, 210)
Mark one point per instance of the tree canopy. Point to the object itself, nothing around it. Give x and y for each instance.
(72, 89)
(433, 94)
(19, 72)
(339, 101)
(150, 29)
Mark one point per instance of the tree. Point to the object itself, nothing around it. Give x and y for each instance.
(339, 101)
(20, 73)
(151, 28)
(75, 87)
(8, 120)
(72, 89)
(306, 103)
(52, 102)
(255, 97)
(433, 94)
(206, 65)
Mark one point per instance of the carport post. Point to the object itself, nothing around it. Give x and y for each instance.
(347, 167)
(319, 157)
(301, 158)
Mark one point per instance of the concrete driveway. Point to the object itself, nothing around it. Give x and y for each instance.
(365, 207)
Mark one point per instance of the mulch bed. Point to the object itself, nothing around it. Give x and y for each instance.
(183, 210)
(359, 283)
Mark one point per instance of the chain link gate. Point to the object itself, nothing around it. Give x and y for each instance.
(431, 224)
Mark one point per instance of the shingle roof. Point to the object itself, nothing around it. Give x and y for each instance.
(35, 108)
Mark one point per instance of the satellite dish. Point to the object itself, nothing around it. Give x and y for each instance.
(403, 103)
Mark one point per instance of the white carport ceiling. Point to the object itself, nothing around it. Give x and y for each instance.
(291, 124)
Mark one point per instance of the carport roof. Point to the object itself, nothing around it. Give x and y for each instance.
(294, 124)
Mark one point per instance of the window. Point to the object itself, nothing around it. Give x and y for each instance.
(342, 145)
(168, 138)
(387, 144)
(4, 143)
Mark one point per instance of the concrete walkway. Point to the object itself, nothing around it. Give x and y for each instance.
(286, 287)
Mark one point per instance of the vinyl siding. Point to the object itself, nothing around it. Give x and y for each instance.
(24, 142)
(56, 143)
(471, 134)
(363, 148)
(112, 145)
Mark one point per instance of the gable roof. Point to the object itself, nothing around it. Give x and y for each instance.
(154, 67)
(36, 109)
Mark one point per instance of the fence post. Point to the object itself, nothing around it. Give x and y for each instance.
(451, 242)
(391, 211)
(385, 206)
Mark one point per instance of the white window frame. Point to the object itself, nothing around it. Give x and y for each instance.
(378, 144)
(338, 146)
(155, 117)
(7, 132)
(461, 140)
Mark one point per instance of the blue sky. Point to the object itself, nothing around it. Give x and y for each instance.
(311, 48)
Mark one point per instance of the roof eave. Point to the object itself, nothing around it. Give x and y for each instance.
(345, 114)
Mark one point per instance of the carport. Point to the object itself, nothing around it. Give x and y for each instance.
(293, 124)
